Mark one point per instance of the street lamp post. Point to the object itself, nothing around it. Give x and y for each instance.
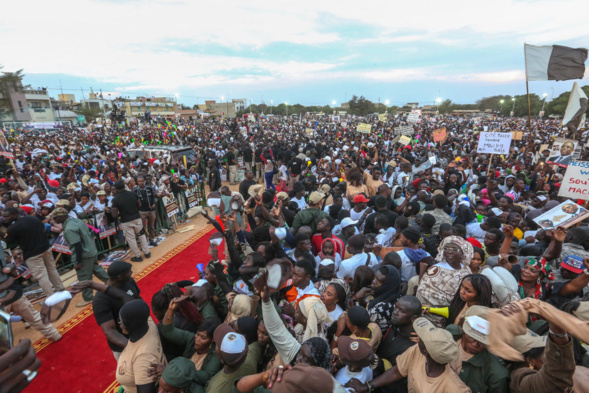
(386, 109)
(271, 102)
(501, 106)
(286, 106)
(544, 103)
(513, 107)
(333, 103)
(438, 101)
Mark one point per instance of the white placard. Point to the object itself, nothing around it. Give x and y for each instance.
(576, 181)
(494, 142)
(413, 117)
(404, 130)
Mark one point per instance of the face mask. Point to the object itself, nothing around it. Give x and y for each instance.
(216, 242)
(214, 202)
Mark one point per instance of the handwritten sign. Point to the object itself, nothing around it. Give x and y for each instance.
(309, 131)
(365, 128)
(404, 140)
(404, 130)
(414, 116)
(494, 142)
(382, 117)
(440, 134)
(576, 181)
(395, 140)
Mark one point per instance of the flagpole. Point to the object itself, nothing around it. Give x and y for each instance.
(528, 95)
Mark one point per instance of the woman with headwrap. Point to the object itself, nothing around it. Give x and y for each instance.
(398, 195)
(311, 317)
(387, 289)
(143, 349)
(239, 306)
(314, 351)
(441, 281)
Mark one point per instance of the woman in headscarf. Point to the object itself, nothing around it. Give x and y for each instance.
(463, 213)
(144, 347)
(387, 289)
(311, 317)
(441, 281)
(240, 306)
(398, 195)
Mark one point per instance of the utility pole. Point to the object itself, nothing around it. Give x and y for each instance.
(103, 111)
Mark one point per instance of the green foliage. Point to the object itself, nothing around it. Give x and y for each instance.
(91, 114)
(360, 106)
(559, 105)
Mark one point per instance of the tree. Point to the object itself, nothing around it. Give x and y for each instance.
(360, 106)
(446, 107)
(90, 114)
(494, 103)
(10, 81)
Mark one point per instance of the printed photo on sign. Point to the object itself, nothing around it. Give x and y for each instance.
(5, 147)
(563, 215)
(562, 151)
(171, 206)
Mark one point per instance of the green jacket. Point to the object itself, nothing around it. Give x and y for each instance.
(309, 217)
(210, 366)
(207, 310)
(483, 372)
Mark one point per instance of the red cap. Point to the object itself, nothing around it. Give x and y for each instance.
(474, 242)
(2, 181)
(27, 209)
(407, 147)
(360, 198)
(53, 183)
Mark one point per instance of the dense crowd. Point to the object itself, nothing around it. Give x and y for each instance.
(341, 261)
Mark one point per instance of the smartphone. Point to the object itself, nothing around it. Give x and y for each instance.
(6, 337)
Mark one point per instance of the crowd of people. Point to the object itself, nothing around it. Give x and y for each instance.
(341, 261)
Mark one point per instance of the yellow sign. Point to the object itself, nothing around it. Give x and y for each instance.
(382, 117)
(309, 131)
(363, 127)
(405, 140)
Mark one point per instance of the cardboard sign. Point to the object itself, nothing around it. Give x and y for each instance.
(382, 117)
(405, 140)
(395, 140)
(494, 142)
(404, 130)
(576, 181)
(365, 128)
(171, 206)
(563, 215)
(562, 152)
(413, 117)
(309, 131)
(517, 135)
(440, 134)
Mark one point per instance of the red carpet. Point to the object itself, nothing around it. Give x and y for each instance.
(81, 362)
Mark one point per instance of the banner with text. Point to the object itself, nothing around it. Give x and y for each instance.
(440, 134)
(494, 142)
(405, 140)
(576, 181)
(365, 128)
(404, 130)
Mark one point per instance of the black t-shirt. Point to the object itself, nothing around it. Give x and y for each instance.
(29, 233)
(107, 309)
(248, 155)
(244, 186)
(230, 158)
(126, 202)
(294, 166)
(258, 153)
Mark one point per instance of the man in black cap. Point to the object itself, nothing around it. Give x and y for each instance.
(106, 308)
(126, 205)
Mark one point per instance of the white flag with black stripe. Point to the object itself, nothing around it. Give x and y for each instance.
(576, 108)
(554, 62)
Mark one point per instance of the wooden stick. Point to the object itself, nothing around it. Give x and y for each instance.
(490, 162)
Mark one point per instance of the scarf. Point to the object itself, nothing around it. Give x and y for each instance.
(390, 290)
(465, 246)
(320, 351)
(314, 310)
(415, 255)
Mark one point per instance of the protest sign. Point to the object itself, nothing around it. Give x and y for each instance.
(563, 215)
(171, 206)
(433, 160)
(517, 135)
(413, 117)
(60, 245)
(395, 140)
(382, 117)
(365, 128)
(405, 140)
(404, 130)
(344, 124)
(576, 181)
(494, 142)
(440, 134)
(562, 152)
(105, 229)
(309, 131)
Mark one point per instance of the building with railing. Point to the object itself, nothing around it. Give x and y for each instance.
(155, 106)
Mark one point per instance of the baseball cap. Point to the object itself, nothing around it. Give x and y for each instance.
(355, 351)
(582, 311)
(63, 202)
(280, 233)
(101, 193)
(254, 190)
(496, 211)
(439, 342)
(360, 198)
(573, 263)
(528, 341)
(60, 211)
(475, 323)
(282, 195)
(325, 189)
(346, 222)
(315, 197)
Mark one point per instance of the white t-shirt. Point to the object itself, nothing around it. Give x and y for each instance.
(408, 269)
(344, 375)
(302, 204)
(474, 230)
(348, 267)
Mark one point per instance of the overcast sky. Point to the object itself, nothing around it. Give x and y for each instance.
(310, 52)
